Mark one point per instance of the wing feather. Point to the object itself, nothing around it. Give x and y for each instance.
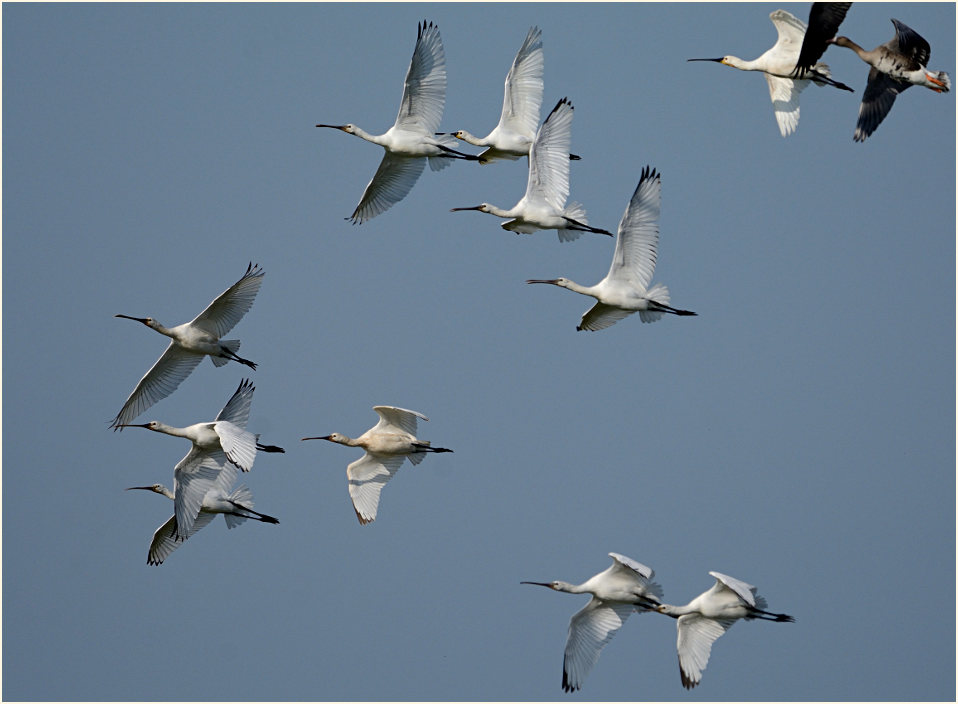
(392, 182)
(166, 374)
(229, 307)
(366, 477)
(589, 631)
(424, 91)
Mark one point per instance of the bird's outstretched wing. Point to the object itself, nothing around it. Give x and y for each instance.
(392, 182)
(600, 316)
(695, 637)
(784, 93)
(636, 247)
(166, 374)
(236, 410)
(877, 101)
(393, 419)
(195, 475)
(366, 477)
(229, 307)
(589, 630)
(424, 92)
(824, 19)
(522, 98)
(910, 43)
(549, 158)
(165, 540)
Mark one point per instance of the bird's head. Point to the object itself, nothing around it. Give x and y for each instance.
(149, 322)
(727, 60)
(348, 128)
(332, 437)
(557, 586)
(152, 425)
(158, 488)
(555, 282)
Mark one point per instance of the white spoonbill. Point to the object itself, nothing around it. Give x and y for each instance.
(895, 66)
(411, 139)
(227, 434)
(625, 289)
(616, 592)
(778, 66)
(190, 343)
(543, 207)
(823, 21)
(235, 506)
(514, 134)
(387, 444)
(708, 616)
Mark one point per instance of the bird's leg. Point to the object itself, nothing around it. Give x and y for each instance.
(229, 354)
(269, 448)
(576, 225)
(257, 516)
(453, 154)
(663, 308)
(769, 616)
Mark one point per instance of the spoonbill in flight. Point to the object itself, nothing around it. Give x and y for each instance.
(225, 438)
(895, 66)
(516, 130)
(387, 444)
(543, 207)
(411, 139)
(616, 592)
(778, 65)
(190, 343)
(823, 21)
(625, 289)
(216, 498)
(708, 616)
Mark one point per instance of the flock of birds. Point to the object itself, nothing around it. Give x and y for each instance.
(203, 481)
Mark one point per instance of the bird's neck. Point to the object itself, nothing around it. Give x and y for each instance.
(374, 138)
(578, 288)
(170, 430)
(473, 140)
(499, 212)
(741, 64)
(674, 611)
(849, 44)
(570, 588)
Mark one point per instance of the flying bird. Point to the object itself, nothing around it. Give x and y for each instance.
(218, 441)
(411, 140)
(387, 444)
(616, 592)
(895, 66)
(190, 342)
(513, 136)
(823, 21)
(235, 506)
(625, 289)
(778, 65)
(708, 616)
(543, 207)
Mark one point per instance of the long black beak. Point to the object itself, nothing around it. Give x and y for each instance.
(133, 425)
(540, 281)
(324, 437)
(718, 60)
(146, 488)
(335, 127)
(541, 584)
(130, 317)
(475, 207)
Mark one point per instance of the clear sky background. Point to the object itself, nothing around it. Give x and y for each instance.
(799, 434)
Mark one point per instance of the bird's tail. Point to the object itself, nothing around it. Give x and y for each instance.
(940, 79)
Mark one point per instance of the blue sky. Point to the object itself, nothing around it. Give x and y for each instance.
(798, 434)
